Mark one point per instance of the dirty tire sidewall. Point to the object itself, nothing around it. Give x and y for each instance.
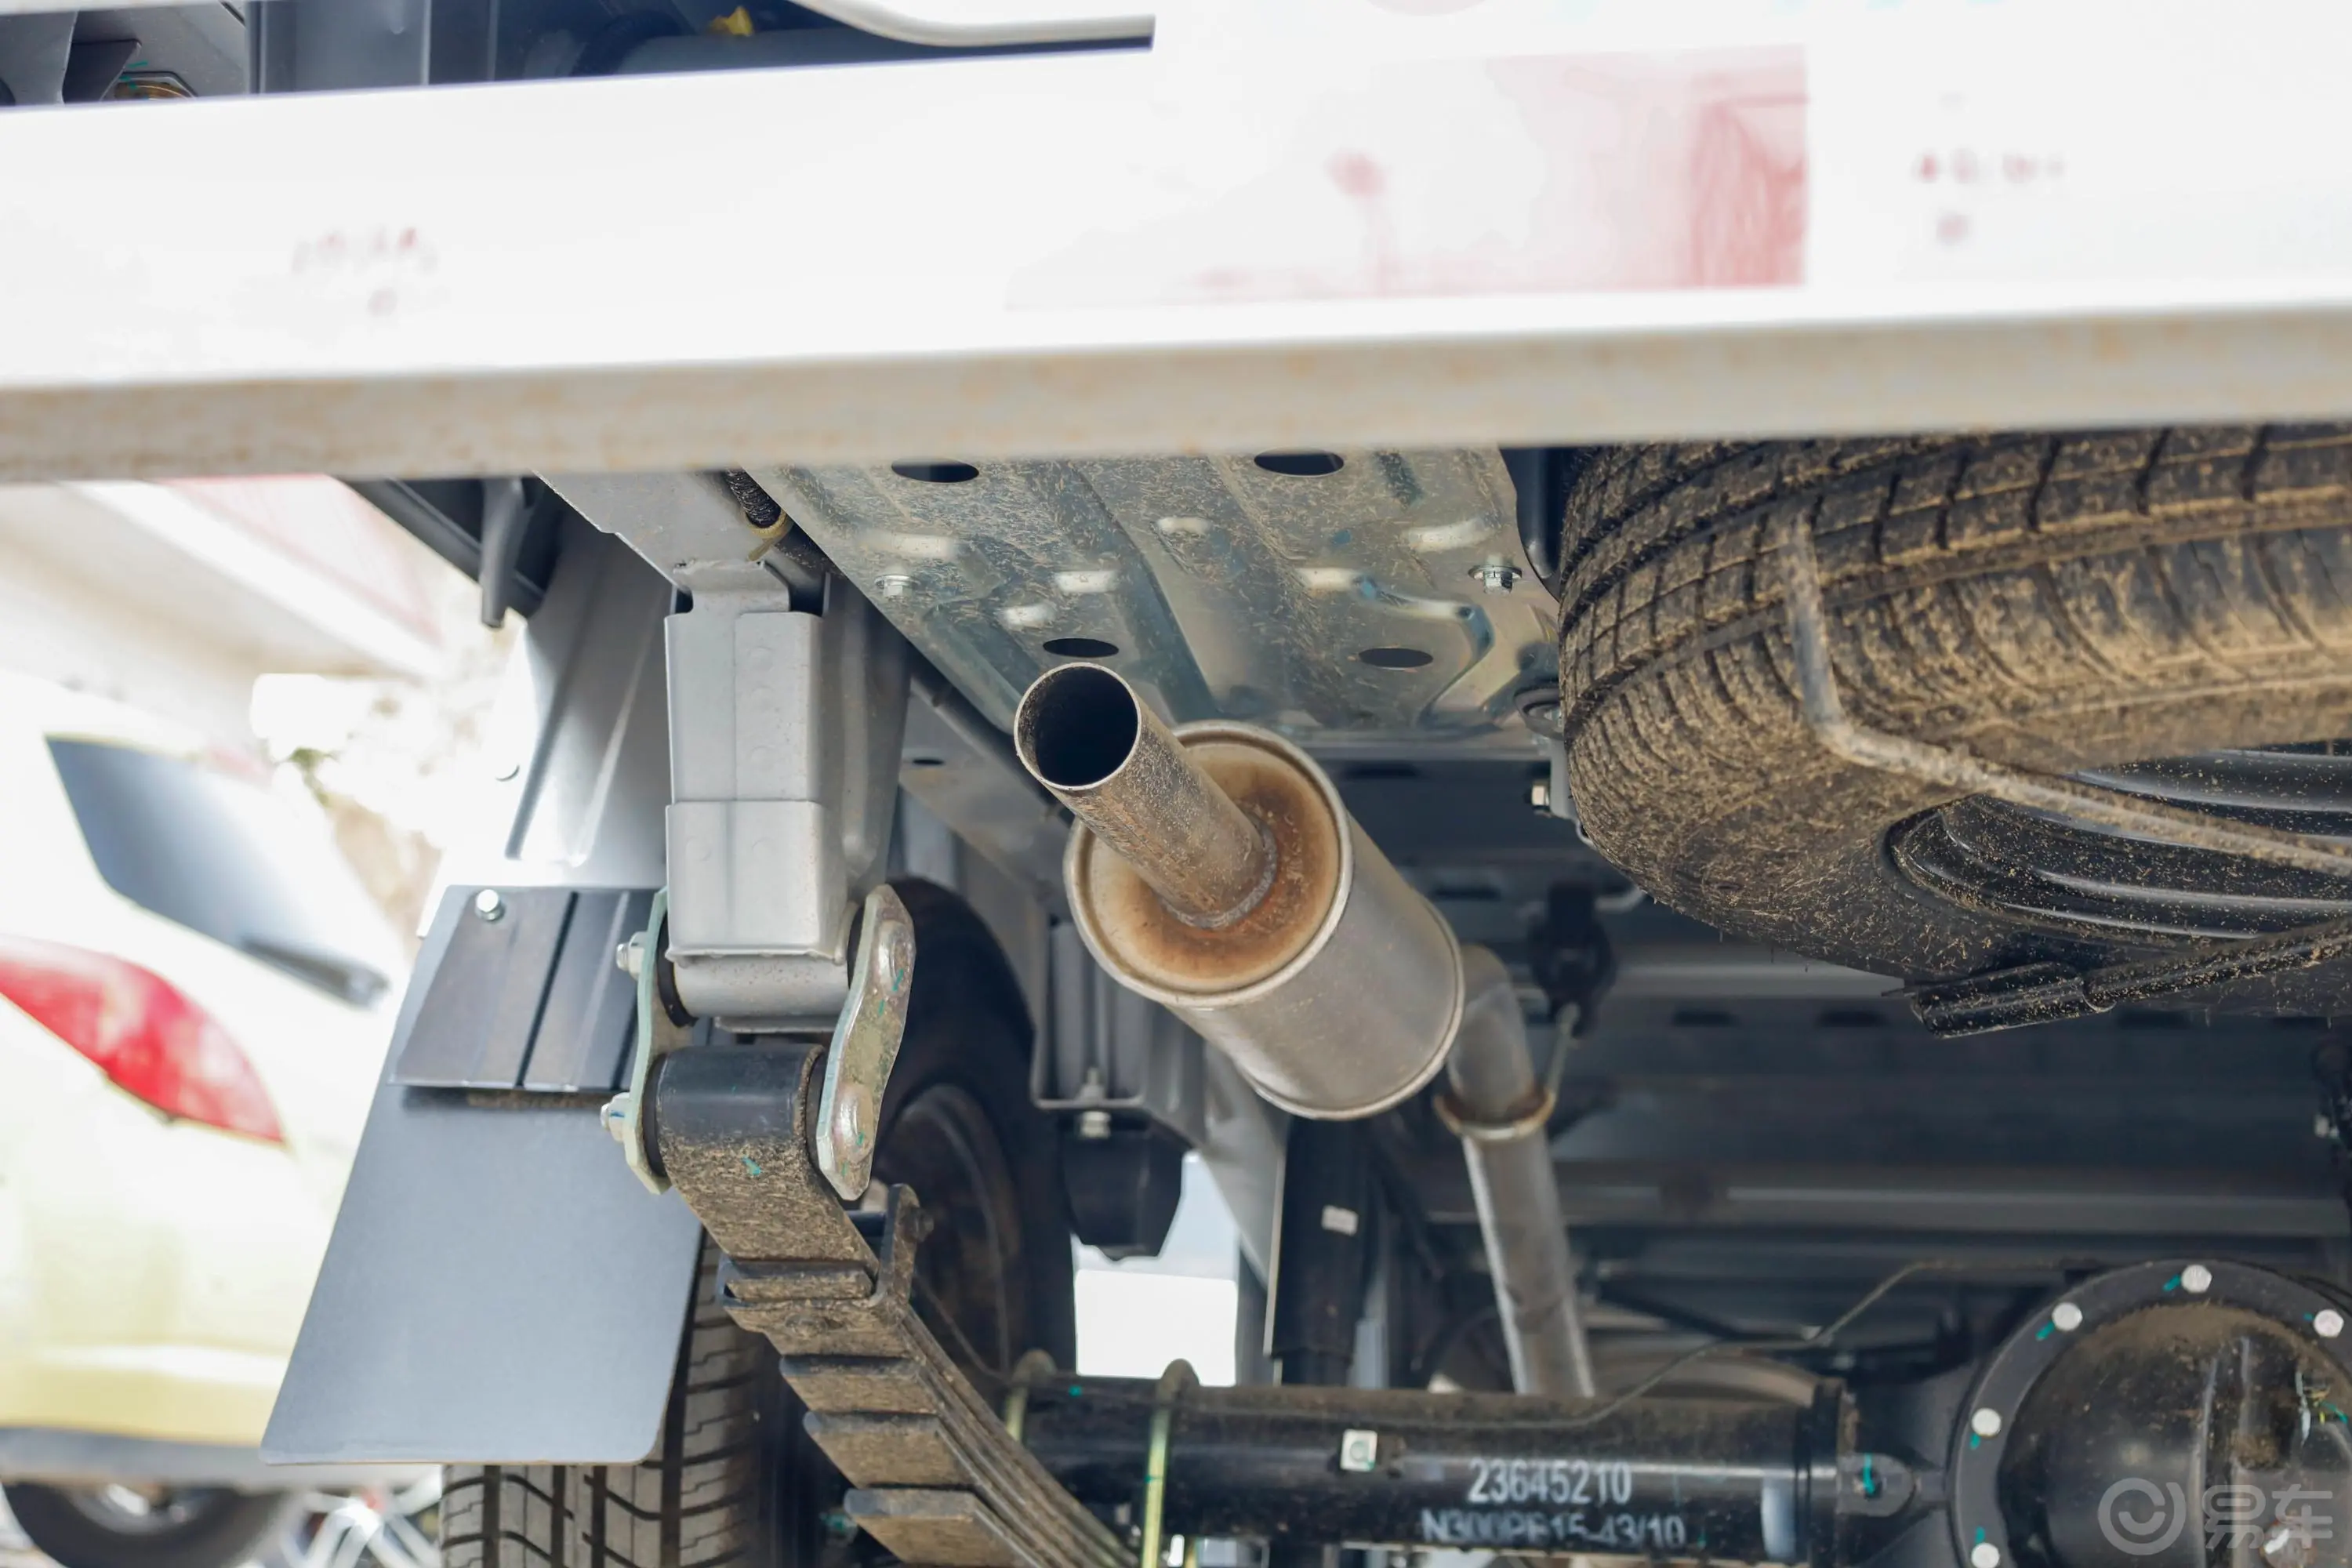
(2052, 602)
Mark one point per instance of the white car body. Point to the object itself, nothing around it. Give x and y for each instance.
(154, 1271)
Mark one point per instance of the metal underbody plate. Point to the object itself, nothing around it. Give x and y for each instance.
(1388, 596)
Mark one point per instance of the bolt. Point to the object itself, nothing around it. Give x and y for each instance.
(1094, 1125)
(893, 585)
(1540, 796)
(852, 1144)
(2329, 1322)
(489, 906)
(1496, 576)
(1984, 1554)
(2067, 1316)
(1986, 1422)
(2197, 1280)
(631, 956)
(1359, 1450)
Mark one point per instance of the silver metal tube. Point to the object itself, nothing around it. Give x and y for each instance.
(1500, 1110)
(1087, 736)
(1217, 871)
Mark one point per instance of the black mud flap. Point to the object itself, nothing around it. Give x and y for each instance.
(499, 1289)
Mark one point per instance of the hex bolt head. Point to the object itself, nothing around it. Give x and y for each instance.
(1984, 1554)
(1094, 1125)
(2067, 1316)
(2197, 1280)
(2328, 1323)
(489, 906)
(1986, 1422)
(1496, 576)
(1359, 1450)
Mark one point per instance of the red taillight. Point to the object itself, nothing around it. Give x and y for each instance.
(148, 1038)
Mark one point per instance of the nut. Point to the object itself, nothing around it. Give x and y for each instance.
(2197, 1280)
(1986, 1422)
(2328, 1323)
(489, 906)
(1496, 576)
(2067, 1316)
(1359, 1450)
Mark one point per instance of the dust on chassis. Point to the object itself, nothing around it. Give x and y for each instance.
(1759, 1000)
(915, 984)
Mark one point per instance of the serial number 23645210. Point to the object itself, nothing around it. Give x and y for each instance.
(1561, 1482)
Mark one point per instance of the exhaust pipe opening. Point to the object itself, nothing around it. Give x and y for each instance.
(1215, 870)
(1084, 733)
(1078, 726)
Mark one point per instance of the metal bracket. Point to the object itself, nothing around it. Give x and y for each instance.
(2043, 993)
(866, 1044)
(658, 1036)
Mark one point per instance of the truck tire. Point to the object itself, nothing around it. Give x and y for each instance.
(183, 1527)
(735, 1479)
(2054, 602)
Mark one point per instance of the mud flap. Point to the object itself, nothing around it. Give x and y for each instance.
(499, 1289)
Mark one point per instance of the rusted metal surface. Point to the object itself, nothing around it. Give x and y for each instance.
(1089, 738)
(1175, 954)
(1337, 994)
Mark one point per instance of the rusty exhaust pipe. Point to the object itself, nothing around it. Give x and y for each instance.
(1215, 870)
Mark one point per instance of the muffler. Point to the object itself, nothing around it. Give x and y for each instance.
(1215, 870)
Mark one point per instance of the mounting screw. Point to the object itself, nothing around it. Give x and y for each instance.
(1094, 1125)
(2067, 1316)
(630, 956)
(1986, 1422)
(1540, 796)
(1984, 1554)
(489, 906)
(1496, 576)
(1359, 1451)
(2197, 1280)
(2329, 1322)
(893, 585)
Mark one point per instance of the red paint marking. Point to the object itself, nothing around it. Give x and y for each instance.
(1569, 173)
(1358, 176)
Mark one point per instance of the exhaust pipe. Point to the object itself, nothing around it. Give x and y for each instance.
(1215, 870)
(1494, 1104)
